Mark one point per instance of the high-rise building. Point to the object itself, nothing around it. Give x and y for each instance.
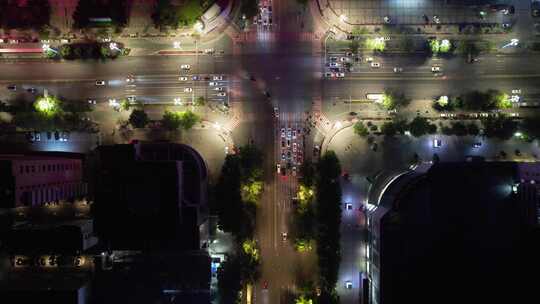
(453, 233)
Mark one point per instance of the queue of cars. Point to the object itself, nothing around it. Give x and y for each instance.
(292, 152)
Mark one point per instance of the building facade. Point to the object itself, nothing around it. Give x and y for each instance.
(36, 180)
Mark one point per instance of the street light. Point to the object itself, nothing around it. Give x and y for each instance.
(343, 18)
(176, 44)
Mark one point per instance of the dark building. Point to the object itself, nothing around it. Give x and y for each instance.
(454, 233)
(151, 196)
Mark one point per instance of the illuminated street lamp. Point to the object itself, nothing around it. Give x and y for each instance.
(176, 44)
(343, 18)
(199, 26)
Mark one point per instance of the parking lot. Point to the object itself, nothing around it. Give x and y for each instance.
(409, 12)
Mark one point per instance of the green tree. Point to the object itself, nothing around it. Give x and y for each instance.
(125, 105)
(472, 129)
(394, 100)
(389, 129)
(188, 119)
(499, 127)
(170, 121)
(459, 128)
(65, 50)
(355, 45)
(229, 280)
(420, 126)
(360, 129)
(138, 118)
(201, 101)
(105, 51)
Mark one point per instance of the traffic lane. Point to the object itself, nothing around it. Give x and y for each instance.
(422, 88)
(114, 69)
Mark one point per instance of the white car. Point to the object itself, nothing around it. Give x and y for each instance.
(182, 78)
(514, 98)
(132, 98)
(435, 68)
(398, 70)
(208, 51)
(91, 101)
(328, 74)
(283, 132)
(188, 90)
(340, 75)
(278, 166)
(294, 147)
(222, 94)
(100, 82)
(334, 64)
(437, 143)
(343, 59)
(217, 77)
(130, 79)
(375, 65)
(276, 112)
(213, 84)
(294, 171)
(219, 89)
(369, 59)
(516, 91)
(514, 114)
(185, 67)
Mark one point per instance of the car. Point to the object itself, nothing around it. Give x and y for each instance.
(294, 134)
(349, 54)
(282, 144)
(213, 84)
(288, 143)
(437, 143)
(398, 69)
(12, 87)
(289, 156)
(226, 150)
(514, 114)
(283, 132)
(506, 25)
(100, 82)
(334, 65)
(436, 19)
(348, 206)
(283, 157)
(209, 51)
(387, 19)
(129, 78)
(328, 74)
(219, 89)
(30, 136)
(37, 136)
(49, 135)
(182, 78)
(56, 135)
(278, 167)
(516, 91)
(132, 98)
(188, 90)
(217, 77)
(221, 94)
(64, 136)
(31, 90)
(92, 101)
(369, 59)
(348, 285)
(477, 145)
(195, 77)
(284, 236)
(375, 65)
(435, 68)
(340, 75)
(276, 112)
(514, 98)
(294, 170)
(294, 147)
(343, 59)
(267, 94)
(333, 58)
(185, 67)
